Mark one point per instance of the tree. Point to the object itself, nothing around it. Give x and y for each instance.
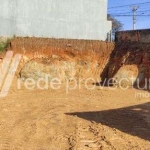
(116, 25)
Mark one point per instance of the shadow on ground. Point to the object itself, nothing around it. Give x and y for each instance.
(133, 120)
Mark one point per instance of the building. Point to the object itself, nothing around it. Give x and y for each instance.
(142, 36)
(72, 19)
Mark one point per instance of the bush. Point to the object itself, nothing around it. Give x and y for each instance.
(4, 45)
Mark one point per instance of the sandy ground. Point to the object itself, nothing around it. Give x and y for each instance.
(80, 120)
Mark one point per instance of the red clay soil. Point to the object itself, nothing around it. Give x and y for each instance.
(97, 119)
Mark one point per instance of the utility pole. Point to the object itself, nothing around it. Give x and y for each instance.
(134, 9)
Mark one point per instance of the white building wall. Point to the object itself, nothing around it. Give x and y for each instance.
(73, 19)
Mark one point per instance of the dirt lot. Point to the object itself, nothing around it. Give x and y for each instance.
(99, 119)
(80, 120)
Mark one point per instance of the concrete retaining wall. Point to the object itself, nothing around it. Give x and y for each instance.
(72, 19)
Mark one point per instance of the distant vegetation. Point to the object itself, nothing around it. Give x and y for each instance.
(116, 24)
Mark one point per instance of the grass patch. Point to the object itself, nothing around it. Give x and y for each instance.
(4, 45)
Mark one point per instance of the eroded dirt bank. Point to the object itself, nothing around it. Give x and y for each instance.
(130, 61)
(62, 58)
(99, 60)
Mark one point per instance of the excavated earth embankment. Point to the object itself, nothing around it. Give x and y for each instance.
(120, 63)
(129, 65)
(60, 58)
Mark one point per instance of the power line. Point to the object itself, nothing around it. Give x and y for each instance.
(121, 13)
(131, 15)
(139, 10)
(129, 12)
(129, 5)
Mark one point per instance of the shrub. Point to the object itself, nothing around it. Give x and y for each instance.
(4, 45)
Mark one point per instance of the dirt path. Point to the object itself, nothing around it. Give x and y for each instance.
(80, 120)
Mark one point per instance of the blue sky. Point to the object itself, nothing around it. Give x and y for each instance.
(142, 22)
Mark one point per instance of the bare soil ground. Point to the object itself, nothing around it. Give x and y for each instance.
(80, 120)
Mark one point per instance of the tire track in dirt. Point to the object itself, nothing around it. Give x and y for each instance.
(84, 138)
